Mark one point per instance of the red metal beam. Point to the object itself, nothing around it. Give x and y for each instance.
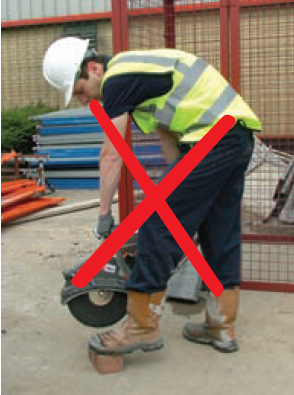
(253, 3)
(234, 21)
(224, 39)
(268, 239)
(120, 30)
(120, 37)
(124, 37)
(117, 47)
(116, 27)
(274, 287)
(169, 21)
(124, 25)
(56, 20)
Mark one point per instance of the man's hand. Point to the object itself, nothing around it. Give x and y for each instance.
(105, 224)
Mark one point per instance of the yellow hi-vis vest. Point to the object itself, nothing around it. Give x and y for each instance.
(200, 96)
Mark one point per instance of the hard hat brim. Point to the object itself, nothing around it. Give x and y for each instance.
(69, 91)
(68, 94)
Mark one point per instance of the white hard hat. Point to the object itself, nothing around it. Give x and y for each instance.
(62, 62)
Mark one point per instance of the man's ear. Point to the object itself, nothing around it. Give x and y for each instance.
(96, 68)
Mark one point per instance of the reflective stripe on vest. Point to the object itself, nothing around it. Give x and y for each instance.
(218, 106)
(191, 75)
(167, 62)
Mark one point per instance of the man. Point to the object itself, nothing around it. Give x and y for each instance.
(181, 97)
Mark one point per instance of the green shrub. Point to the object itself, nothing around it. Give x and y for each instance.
(18, 130)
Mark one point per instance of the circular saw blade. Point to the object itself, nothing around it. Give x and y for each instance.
(99, 309)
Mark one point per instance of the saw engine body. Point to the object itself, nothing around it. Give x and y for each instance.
(103, 301)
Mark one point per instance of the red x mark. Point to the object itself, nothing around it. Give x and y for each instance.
(154, 201)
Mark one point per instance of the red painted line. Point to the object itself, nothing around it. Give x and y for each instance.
(57, 20)
(154, 200)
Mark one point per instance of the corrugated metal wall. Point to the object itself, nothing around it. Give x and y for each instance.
(14, 10)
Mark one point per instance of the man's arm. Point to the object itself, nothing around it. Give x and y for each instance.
(110, 166)
(169, 145)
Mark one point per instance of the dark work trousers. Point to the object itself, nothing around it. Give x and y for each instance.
(207, 201)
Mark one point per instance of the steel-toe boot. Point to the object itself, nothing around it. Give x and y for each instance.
(218, 330)
(140, 329)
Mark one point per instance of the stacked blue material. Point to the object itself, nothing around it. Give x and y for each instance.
(73, 140)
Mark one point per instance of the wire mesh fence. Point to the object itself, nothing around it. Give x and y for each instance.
(251, 43)
(266, 45)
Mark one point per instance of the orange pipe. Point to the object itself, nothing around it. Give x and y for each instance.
(20, 195)
(7, 157)
(11, 186)
(31, 206)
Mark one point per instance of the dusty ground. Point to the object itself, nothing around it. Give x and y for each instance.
(44, 350)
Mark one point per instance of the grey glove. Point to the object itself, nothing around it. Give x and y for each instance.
(105, 223)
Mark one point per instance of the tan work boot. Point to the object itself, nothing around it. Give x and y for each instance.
(218, 329)
(140, 329)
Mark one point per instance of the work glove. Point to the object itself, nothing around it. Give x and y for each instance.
(105, 225)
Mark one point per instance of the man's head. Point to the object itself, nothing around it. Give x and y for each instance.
(69, 65)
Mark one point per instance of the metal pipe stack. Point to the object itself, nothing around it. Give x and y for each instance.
(73, 139)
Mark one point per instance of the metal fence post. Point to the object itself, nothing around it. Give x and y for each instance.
(120, 36)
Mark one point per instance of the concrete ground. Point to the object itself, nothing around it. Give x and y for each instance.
(44, 350)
